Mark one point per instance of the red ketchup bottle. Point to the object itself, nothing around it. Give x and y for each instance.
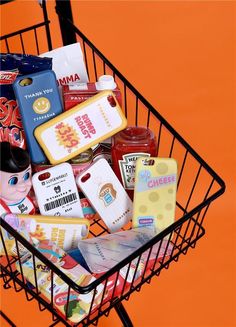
(127, 146)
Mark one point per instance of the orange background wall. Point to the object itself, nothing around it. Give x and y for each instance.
(181, 56)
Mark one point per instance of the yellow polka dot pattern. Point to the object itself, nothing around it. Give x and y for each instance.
(156, 203)
(143, 208)
(162, 168)
(153, 197)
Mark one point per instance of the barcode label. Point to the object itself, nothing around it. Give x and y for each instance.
(59, 202)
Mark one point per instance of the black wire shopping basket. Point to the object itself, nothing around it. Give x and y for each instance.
(198, 185)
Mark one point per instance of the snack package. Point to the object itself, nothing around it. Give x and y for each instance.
(79, 92)
(63, 231)
(68, 64)
(102, 256)
(104, 252)
(24, 229)
(13, 65)
(79, 304)
(96, 266)
(122, 283)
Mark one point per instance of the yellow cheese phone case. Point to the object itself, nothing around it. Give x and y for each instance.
(81, 127)
(155, 192)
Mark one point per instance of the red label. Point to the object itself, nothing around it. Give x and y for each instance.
(7, 77)
(68, 79)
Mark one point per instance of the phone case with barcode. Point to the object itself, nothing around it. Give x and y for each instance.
(56, 192)
(106, 194)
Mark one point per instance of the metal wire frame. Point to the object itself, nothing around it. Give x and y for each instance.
(35, 28)
(192, 206)
(7, 319)
(18, 278)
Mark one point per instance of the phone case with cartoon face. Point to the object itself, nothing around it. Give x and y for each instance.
(106, 194)
(39, 101)
(155, 192)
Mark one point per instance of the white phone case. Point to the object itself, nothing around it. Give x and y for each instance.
(106, 194)
(56, 192)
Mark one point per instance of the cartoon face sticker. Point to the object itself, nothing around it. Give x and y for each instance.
(14, 187)
(107, 194)
(41, 105)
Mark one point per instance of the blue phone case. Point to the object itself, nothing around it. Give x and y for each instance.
(39, 100)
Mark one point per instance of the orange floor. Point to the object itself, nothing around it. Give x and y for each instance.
(181, 56)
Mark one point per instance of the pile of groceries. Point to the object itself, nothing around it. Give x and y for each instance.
(69, 158)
